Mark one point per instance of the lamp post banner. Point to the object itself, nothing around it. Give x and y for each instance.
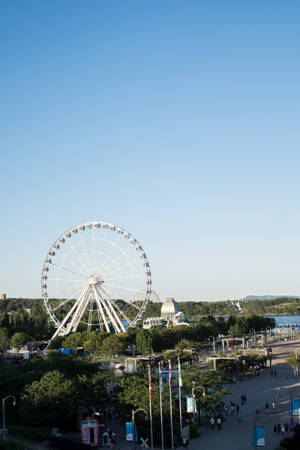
(259, 438)
(294, 409)
(129, 431)
(189, 405)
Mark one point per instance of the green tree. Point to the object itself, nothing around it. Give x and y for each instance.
(113, 345)
(92, 342)
(50, 399)
(18, 340)
(4, 339)
(143, 341)
(74, 340)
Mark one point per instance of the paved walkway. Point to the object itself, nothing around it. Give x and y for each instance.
(236, 435)
(259, 390)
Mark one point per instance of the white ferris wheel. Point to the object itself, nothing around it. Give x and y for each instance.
(96, 276)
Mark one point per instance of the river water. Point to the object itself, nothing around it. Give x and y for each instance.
(286, 321)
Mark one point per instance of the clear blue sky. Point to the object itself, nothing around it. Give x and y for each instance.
(177, 120)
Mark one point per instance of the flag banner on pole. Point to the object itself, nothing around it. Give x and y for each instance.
(179, 375)
(170, 375)
(150, 384)
(259, 438)
(189, 405)
(165, 376)
(161, 381)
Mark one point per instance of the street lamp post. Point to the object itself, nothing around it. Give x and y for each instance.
(3, 414)
(133, 422)
(214, 342)
(254, 335)
(193, 397)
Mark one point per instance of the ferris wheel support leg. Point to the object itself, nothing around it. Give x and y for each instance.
(111, 318)
(62, 325)
(99, 303)
(116, 308)
(73, 325)
(122, 328)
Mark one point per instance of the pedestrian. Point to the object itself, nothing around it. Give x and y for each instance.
(273, 407)
(237, 408)
(212, 422)
(257, 410)
(279, 429)
(267, 407)
(242, 399)
(286, 426)
(219, 422)
(275, 373)
(275, 429)
(282, 429)
(185, 443)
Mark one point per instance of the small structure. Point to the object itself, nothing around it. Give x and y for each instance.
(90, 432)
(131, 364)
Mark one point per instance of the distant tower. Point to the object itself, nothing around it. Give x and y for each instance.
(3, 297)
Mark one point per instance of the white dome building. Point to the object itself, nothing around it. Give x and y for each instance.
(170, 311)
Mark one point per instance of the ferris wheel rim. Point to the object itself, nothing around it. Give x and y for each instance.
(81, 228)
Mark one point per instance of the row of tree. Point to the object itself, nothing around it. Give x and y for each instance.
(160, 339)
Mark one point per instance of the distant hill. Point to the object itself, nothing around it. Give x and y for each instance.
(267, 297)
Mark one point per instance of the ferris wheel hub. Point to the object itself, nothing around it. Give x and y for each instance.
(93, 281)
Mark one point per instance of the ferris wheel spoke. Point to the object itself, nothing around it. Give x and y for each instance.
(125, 278)
(117, 296)
(79, 258)
(68, 270)
(61, 304)
(65, 279)
(108, 255)
(122, 312)
(89, 255)
(125, 288)
(62, 290)
(119, 269)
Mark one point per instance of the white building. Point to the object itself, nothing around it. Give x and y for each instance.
(170, 315)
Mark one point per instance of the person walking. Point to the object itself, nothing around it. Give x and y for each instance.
(267, 407)
(237, 408)
(275, 429)
(212, 422)
(279, 429)
(185, 443)
(219, 422)
(273, 407)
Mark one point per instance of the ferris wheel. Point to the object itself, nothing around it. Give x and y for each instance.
(96, 276)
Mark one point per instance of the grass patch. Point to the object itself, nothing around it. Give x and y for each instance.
(32, 434)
